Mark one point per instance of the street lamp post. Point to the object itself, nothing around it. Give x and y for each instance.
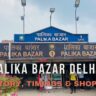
(77, 3)
(52, 10)
(23, 3)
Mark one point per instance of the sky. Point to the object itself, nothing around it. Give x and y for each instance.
(37, 17)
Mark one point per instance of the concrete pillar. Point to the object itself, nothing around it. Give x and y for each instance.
(3, 62)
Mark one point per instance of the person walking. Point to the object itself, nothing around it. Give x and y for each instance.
(73, 78)
(81, 79)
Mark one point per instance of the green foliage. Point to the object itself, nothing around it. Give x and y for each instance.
(9, 84)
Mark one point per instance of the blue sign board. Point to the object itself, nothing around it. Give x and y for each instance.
(51, 34)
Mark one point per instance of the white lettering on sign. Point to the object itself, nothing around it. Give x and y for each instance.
(44, 34)
(51, 34)
(51, 39)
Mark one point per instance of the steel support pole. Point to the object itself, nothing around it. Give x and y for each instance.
(23, 20)
(51, 19)
(76, 29)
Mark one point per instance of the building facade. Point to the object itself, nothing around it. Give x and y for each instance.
(49, 45)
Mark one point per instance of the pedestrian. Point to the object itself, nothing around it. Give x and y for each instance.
(48, 87)
(73, 78)
(81, 78)
(39, 80)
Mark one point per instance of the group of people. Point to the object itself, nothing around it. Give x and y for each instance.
(44, 77)
(73, 77)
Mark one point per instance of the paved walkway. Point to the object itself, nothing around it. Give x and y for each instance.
(57, 92)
